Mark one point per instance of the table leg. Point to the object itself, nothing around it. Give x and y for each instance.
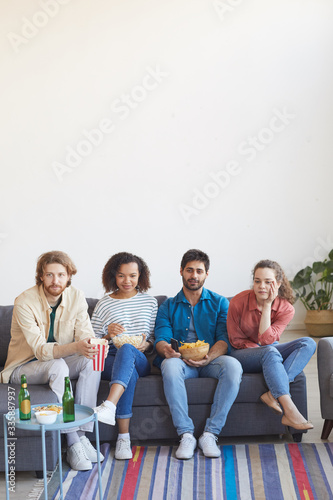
(44, 461)
(98, 458)
(60, 465)
(6, 456)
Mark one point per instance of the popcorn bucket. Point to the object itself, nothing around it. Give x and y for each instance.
(99, 357)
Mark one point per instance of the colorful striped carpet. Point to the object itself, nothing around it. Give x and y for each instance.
(245, 472)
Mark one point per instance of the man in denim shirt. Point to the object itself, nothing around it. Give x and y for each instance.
(196, 314)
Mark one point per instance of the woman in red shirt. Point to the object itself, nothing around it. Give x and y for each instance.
(256, 319)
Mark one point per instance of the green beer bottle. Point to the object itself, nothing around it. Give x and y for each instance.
(68, 411)
(24, 400)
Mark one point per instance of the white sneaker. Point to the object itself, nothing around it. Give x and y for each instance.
(90, 450)
(186, 447)
(123, 449)
(77, 458)
(105, 414)
(207, 442)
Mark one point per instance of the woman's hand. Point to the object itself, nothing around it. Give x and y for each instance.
(113, 330)
(144, 344)
(273, 293)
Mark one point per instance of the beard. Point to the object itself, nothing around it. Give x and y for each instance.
(193, 285)
(55, 292)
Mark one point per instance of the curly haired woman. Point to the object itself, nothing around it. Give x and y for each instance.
(127, 308)
(256, 319)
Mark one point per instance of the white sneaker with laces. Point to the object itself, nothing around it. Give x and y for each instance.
(77, 458)
(105, 414)
(207, 442)
(186, 447)
(123, 449)
(90, 450)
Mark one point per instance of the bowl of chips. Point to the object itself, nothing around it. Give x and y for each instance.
(194, 350)
(46, 417)
(125, 338)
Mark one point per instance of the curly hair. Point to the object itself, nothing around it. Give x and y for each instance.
(54, 257)
(285, 290)
(112, 266)
(195, 254)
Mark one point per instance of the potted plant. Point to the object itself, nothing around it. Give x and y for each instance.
(314, 288)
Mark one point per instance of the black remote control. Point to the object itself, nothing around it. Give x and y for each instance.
(174, 344)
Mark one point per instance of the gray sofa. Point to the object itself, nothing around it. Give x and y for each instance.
(325, 378)
(151, 417)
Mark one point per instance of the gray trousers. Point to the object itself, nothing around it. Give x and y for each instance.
(53, 372)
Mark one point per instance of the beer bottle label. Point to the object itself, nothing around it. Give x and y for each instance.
(25, 406)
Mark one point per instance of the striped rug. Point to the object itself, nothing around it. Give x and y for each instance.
(245, 472)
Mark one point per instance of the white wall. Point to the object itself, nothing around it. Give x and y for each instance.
(224, 73)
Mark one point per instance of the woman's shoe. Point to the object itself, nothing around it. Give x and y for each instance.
(305, 426)
(271, 402)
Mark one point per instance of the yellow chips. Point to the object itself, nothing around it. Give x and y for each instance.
(190, 345)
(194, 350)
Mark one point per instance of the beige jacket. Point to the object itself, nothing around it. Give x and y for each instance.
(31, 325)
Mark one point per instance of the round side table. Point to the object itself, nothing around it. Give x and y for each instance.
(83, 415)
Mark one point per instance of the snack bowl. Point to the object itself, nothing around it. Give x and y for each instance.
(194, 353)
(125, 338)
(46, 417)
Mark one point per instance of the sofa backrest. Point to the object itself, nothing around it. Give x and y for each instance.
(6, 313)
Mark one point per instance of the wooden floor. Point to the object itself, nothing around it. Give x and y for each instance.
(26, 480)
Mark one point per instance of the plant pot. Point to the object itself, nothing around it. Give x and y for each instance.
(319, 323)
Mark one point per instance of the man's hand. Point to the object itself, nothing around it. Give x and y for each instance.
(84, 348)
(197, 364)
(164, 349)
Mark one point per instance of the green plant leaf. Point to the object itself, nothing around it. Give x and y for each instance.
(302, 278)
(329, 265)
(331, 254)
(318, 267)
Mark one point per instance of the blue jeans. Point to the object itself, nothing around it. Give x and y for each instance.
(279, 363)
(225, 369)
(124, 366)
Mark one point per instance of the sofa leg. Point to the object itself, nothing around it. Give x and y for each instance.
(39, 474)
(328, 426)
(297, 438)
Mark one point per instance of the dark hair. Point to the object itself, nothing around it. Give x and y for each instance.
(194, 254)
(54, 257)
(112, 266)
(285, 290)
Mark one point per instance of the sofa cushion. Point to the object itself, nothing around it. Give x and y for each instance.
(6, 313)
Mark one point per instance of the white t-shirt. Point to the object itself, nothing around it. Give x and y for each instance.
(137, 315)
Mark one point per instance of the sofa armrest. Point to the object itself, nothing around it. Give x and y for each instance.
(325, 376)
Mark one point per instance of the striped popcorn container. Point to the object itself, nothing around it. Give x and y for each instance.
(99, 358)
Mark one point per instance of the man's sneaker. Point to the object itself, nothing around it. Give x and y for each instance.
(105, 414)
(90, 450)
(207, 442)
(123, 449)
(187, 446)
(77, 458)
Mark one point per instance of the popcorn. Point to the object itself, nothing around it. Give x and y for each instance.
(125, 338)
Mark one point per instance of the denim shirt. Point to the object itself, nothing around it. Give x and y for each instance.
(209, 315)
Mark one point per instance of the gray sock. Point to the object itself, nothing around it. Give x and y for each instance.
(72, 438)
